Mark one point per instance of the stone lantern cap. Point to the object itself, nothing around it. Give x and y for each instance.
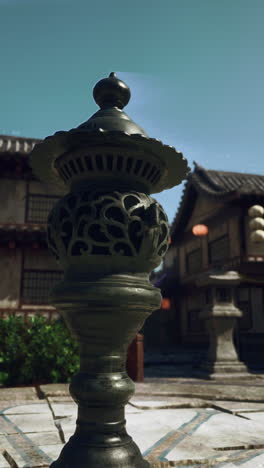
(109, 146)
(218, 278)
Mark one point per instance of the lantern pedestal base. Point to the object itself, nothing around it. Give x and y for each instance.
(222, 359)
(224, 369)
(78, 453)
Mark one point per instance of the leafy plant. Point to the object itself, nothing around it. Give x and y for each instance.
(36, 352)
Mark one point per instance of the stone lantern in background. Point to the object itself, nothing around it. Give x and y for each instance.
(108, 234)
(220, 315)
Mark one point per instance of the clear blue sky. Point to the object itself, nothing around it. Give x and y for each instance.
(195, 69)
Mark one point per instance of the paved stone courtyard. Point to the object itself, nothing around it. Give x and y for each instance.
(180, 422)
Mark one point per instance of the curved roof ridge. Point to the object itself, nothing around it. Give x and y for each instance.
(183, 201)
(245, 174)
(222, 185)
(201, 173)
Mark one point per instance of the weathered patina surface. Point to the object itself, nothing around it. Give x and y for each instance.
(108, 234)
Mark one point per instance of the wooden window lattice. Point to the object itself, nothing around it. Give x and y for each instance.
(38, 207)
(37, 284)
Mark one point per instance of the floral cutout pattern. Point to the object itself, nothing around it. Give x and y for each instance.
(107, 223)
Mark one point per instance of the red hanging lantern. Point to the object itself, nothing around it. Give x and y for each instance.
(200, 230)
(165, 303)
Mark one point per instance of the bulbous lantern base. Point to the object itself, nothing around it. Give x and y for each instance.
(108, 234)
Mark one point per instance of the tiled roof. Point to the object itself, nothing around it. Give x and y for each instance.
(221, 185)
(13, 144)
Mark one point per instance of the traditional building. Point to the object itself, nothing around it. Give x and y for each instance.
(220, 201)
(28, 270)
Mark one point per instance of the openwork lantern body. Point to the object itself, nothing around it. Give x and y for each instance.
(108, 234)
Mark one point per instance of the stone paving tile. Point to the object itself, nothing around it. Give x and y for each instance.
(238, 406)
(188, 451)
(64, 409)
(145, 402)
(8, 447)
(33, 422)
(2, 442)
(35, 408)
(21, 393)
(169, 464)
(3, 462)
(244, 459)
(21, 452)
(63, 399)
(30, 449)
(227, 431)
(183, 444)
(5, 427)
(255, 416)
(252, 460)
(53, 451)
(45, 438)
(55, 390)
(129, 409)
(215, 392)
(22, 449)
(168, 370)
(5, 405)
(158, 423)
(199, 435)
(68, 426)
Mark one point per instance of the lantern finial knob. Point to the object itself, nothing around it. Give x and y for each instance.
(111, 92)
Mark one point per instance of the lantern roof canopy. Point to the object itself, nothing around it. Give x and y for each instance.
(112, 95)
(110, 127)
(218, 277)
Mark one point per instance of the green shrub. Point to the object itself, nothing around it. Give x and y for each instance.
(36, 352)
